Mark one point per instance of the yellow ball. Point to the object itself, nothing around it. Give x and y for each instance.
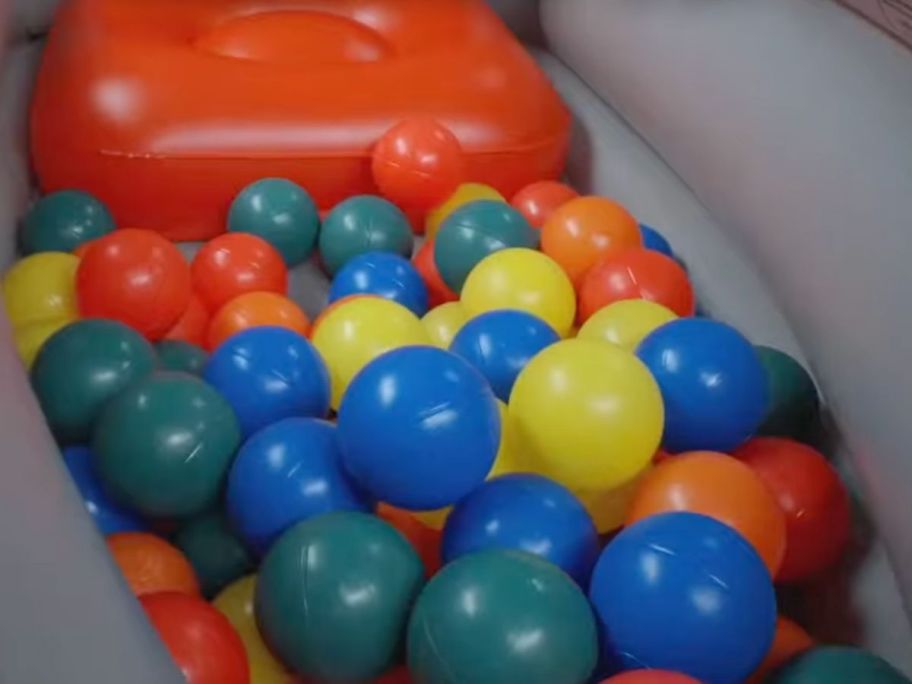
(522, 279)
(354, 332)
(626, 323)
(465, 193)
(590, 413)
(31, 337)
(443, 322)
(608, 508)
(41, 287)
(236, 603)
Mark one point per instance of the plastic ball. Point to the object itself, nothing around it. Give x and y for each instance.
(418, 163)
(360, 224)
(334, 594)
(525, 280)
(192, 325)
(419, 428)
(234, 264)
(464, 194)
(625, 323)
(528, 513)
(608, 507)
(176, 355)
(444, 322)
(438, 291)
(720, 487)
(286, 473)
(62, 221)
(384, 275)
(790, 641)
(282, 213)
(163, 446)
(256, 310)
(137, 277)
(654, 240)
(41, 288)
(582, 231)
(213, 549)
(204, 645)
(589, 412)
(267, 374)
(838, 665)
(501, 343)
(108, 515)
(30, 338)
(500, 617)
(149, 564)
(358, 330)
(475, 231)
(818, 514)
(539, 200)
(685, 593)
(713, 384)
(794, 404)
(650, 677)
(82, 367)
(424, 539)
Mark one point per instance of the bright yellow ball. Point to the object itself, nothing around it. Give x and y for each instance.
(522, 279)
(608, 508)
(30, 338)
(355, 332)
(443, 322)
(41, 287)
(590, 414)
(626, 323)
(465, 193)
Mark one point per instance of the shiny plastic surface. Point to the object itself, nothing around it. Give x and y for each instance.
(41, 287)
(180, 356)
(838, 665)
(192, 325)
(789, 641)
(444, 322)
(385, 275)
(539, 200)
(252, 310)
(217, 555)
(438, 291)
(109, 516)
(150, 564)
(465, 193)
(625, 323)
(361, 224)
(62, 221)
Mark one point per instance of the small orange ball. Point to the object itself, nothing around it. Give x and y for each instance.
(234, 264)
(790, 641)
(191, 326)
(539, 200)
(438, 291)
(150, 564)
(252, 310)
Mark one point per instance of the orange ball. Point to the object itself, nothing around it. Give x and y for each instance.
(252, 310)
(790, 641)
(426, 540)
(234, 264)
(539, 200)
(191, 326)
(636, 273)
(438, 291)
(136, 277)
(583, 230)
(150, 564)
(721, 487)
(650, 677)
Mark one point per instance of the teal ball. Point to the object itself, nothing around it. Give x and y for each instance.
(62, 221)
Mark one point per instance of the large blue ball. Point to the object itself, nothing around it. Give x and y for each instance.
(110, 517)
(712, 382)
(654, 240)
(528, 513)
(286, 473)
(269, 373)
(385, 275)
(686, 593)
(500, 344)
(419, 428)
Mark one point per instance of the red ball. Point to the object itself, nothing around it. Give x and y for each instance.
(136, 277)
(199, 638)
(438, 291)
(636, 273)
(539, 200)
(818, 516)
(650, 677)
(418, 163)
(192, 325)
(234, 264)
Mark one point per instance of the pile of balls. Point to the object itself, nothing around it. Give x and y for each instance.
(514, 456)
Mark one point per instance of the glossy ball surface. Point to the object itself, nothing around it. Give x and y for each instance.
(255, 310)
(361, 224)
(109, 516)
(385, 275)
(64, 220)
(150, 564)
(538, 201)
(214, 550)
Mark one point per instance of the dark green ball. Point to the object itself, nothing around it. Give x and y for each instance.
(218, 557)
(184, 357)
(838, 665)
(499, 617)
(81, 367)
(163, 447)
(282, 213)
(62, 221)
(333, 596)
(363, 224)
(794, 403)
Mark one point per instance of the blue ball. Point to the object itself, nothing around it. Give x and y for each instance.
(269, 373)
(501, 343)
(654, 240)
(529, 513)
(289, 472)
(385, 275)
(419, 428)
(109, 516)
(712, 383)
(686, 593)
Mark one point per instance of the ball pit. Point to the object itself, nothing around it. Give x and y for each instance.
(654, 240)
(180, 356)
(444, 322)
(625, 323)
(191, 327)
(150, 565)
(384, 275)
(464, 194)
(828, 664)
(215, 552)
(41, 288)
(62, 221)
(253, 310)
(794, 404)
(438, 291)
(109, 516)
(539, 200)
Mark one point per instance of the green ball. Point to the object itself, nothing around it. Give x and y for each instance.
(474, 231)
(838, 665)
(499, 617)
(217, 555)
(282, 213)
(333, 596)
(163, 447)
(794, 403)
(62, 221)
(83, 366)
(184, 357)
(363, 224)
